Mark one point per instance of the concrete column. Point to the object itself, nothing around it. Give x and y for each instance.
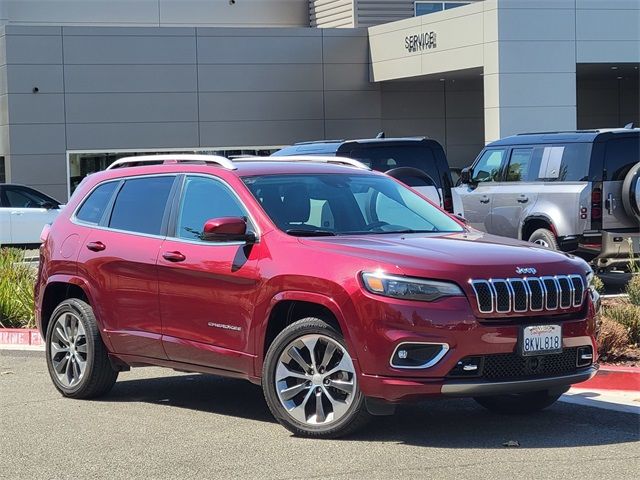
(529, 67)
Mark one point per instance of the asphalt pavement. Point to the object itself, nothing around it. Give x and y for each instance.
(157, 423)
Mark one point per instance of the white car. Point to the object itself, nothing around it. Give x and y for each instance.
(23, 214)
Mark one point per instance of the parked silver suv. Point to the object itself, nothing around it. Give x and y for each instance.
(572, 191)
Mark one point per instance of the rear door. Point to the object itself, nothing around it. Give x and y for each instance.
(516, 193)
(119, 260)
(27, 214)
(620, 155)
(476, 198)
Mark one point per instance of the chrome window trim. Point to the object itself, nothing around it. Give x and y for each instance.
(493, 282)
(486, 282)
(443, 351)
(76, 221)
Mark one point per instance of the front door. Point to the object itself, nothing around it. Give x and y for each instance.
(27, 213)
(477, 196)
(207, 289)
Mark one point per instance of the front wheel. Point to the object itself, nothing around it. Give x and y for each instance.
(77, 358)
(519, 403)
(310, 382)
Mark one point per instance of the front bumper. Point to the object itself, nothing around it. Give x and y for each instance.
(408, 389)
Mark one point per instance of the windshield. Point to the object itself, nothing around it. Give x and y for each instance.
(329, 204)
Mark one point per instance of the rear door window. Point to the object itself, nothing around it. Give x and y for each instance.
(140, 205)
(519, 165)
(19, 197)
(96, 203)
(621, 154)
(383, 159)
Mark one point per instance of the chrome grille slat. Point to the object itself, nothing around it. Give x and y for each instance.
(528, 294)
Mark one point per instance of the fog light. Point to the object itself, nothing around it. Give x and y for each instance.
(585, 356)
(418, 355)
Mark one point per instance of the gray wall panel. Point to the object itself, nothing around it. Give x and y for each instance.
(131, 107)
(230, 106)
(260, 132)
(39, 169)
(34, 49)
(427, 104)
(349, 128)
(352, 104)
(256, 78)
(88, 136)
(36, 108)
(22, 78)
(346, 49)
(258, 50)
(112, 49)
(4, 110)
(344, 76)
(37, 139)
(130, 78)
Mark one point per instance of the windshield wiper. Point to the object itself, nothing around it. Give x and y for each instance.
(301, 232)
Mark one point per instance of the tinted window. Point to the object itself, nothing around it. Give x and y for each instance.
(94, 206)
(18, 197)
(140, 205)
(345, 204)
(620, 156)
(383, 159)
(488, 167)
(564, 163)
(518, 169)
(204, 199)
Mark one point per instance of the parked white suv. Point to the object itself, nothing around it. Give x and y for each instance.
(23, 213)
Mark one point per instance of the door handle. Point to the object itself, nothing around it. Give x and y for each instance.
(484, 199)
(174, 256)
(610, 204)
(16, 213)
(96, 246)
(523, 199)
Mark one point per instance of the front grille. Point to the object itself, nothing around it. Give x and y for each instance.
(512, 366)
(533, 294)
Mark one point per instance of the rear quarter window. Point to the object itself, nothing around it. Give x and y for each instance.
(383, 159)
(95, 204)
(620, 155)
(561, 163)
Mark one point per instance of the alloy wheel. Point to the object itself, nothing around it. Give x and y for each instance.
(68, 349)
(315, 380)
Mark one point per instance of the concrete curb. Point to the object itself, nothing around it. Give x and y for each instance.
(16, 337)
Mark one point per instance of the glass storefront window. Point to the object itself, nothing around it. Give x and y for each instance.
(82, 164)
(3, 176)
(427, 7)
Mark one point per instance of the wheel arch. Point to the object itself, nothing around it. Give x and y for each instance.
(533, 223)
(288, 307)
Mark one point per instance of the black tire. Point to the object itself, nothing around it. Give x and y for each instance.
(98, 376)
(631, 192)
(519, 403)
(355, 417)
(544, 238)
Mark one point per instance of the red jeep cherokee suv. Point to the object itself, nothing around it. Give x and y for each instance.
(338, 289)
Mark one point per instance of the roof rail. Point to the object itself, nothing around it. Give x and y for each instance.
(173, 159)
(559, 131)
(310, 158)
(311, 142)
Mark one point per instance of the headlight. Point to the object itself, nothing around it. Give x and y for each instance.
(407, 288)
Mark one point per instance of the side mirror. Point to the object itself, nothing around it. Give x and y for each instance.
(460, 218)
(465, 175)
(227, 229)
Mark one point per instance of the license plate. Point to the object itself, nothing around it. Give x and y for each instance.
(541, 340)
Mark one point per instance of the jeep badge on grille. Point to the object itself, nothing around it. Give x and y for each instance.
(526, 270)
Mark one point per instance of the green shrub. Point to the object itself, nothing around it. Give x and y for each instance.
(627, 315)
(613, 339)
(16, 289)
(633, 290)
(598, 284)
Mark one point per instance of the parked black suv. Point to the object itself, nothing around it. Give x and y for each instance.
(416, 161)
(562, 190)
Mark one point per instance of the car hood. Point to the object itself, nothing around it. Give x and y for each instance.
(459, 256)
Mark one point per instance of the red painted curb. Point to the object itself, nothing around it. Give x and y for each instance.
(20, 336)
(614, 378)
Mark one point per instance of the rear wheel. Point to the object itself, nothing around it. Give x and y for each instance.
(519, 403)
(77, 358)
(545, 238)
(310, 382)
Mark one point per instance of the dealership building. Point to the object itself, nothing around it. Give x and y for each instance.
(83, 83)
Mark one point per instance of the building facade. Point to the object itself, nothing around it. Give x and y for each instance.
(83, 83)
